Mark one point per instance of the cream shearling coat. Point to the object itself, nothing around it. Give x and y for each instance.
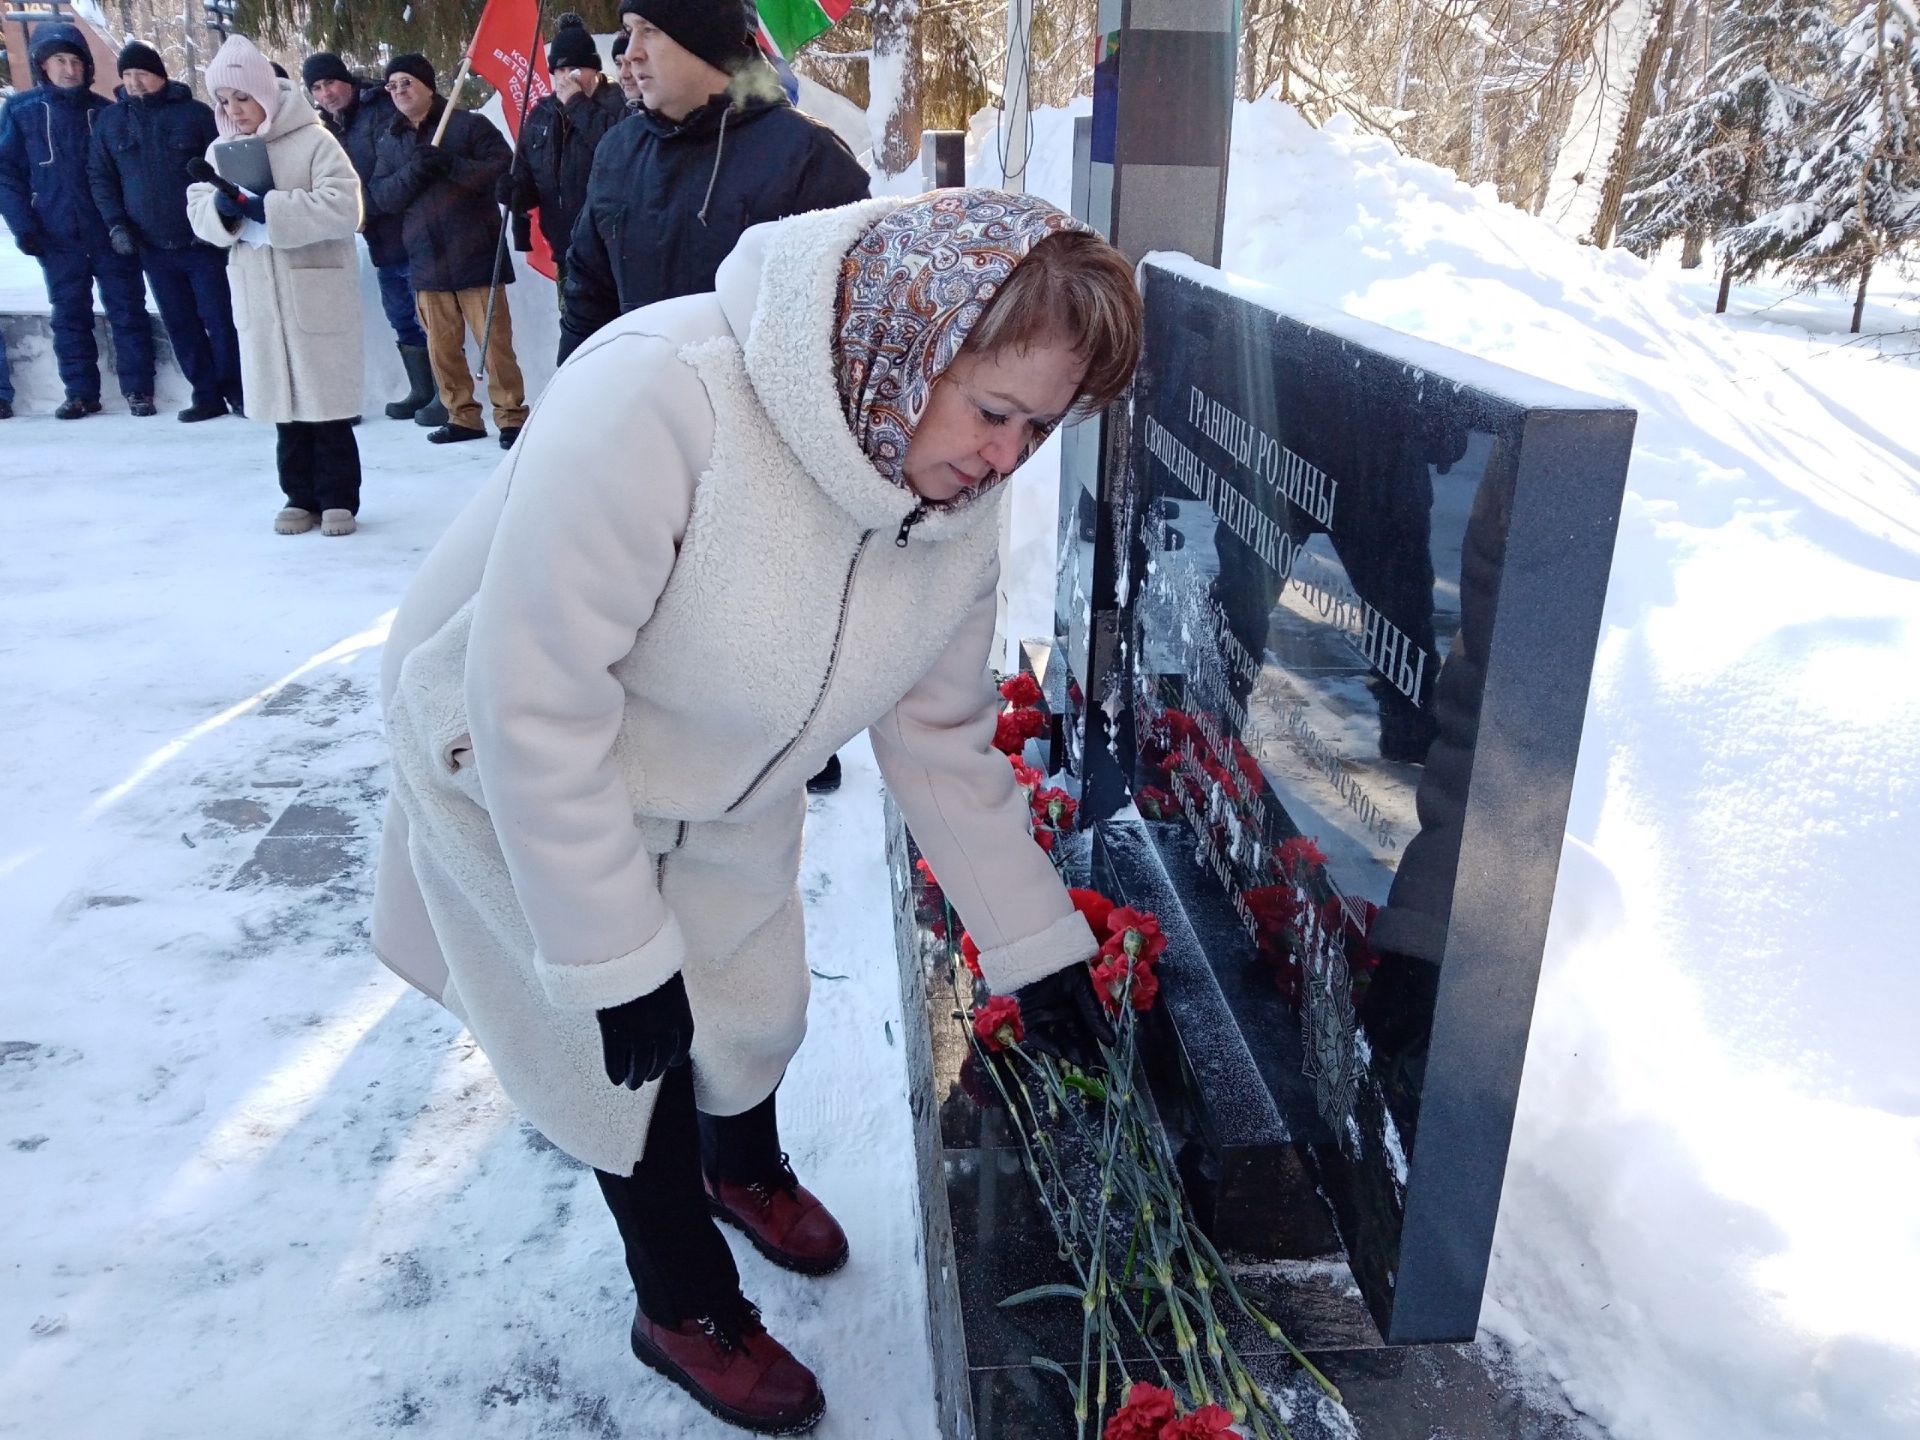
(296, 300)
(614, 674)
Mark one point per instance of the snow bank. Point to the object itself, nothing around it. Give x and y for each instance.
(1709, 1225)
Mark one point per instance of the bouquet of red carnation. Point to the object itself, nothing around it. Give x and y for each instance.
(1150, 1412)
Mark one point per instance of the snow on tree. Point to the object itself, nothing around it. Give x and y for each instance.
(1854, 195)
(1709, 163)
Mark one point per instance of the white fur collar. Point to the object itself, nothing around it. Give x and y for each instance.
(778, 289)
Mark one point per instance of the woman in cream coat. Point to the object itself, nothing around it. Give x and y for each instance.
(739, 529)
(295, 277)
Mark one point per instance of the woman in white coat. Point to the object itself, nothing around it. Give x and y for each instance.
(295, 278)
(740, 528)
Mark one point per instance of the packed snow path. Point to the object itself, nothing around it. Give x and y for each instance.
(253, 1184)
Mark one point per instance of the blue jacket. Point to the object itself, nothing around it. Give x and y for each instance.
(138, 168)
(45, 136)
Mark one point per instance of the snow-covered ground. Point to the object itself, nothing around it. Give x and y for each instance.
(254, 1186)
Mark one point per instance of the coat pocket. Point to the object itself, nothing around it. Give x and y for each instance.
(319, 308)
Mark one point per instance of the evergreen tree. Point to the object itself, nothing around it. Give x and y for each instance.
(1855, 195)
(1711, 163)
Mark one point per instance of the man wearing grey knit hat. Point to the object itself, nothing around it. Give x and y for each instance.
(715, 148)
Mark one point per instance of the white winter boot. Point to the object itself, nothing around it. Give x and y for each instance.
(337, 522)
(293, 521)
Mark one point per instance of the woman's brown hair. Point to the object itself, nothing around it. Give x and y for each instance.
(1076, 290)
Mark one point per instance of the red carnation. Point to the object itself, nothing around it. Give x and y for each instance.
(1021, 689)
(1054, 807)
(926, 871)
(1044, 838)
(1015, 727)
(1148, 1409)
(1209, 1422)
(997, 1023)
(1298, 857)
(970, 954)
(1136, 933)
(1026, 777)
(1110, 979)
(1095, 906)
(1155, 803)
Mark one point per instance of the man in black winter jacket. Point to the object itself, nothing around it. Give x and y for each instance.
(715, 149)
(137, 171)
(444, 196)
(358, 112)
(557, 144)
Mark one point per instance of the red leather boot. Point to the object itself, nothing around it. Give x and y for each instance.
(733, 1367)
(785, 1221)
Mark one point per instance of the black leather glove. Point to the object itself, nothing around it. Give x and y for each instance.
(1064, 1018)
(32, 244)
(435, 163)
(644, 1038)
(504, 189)
(123, 242)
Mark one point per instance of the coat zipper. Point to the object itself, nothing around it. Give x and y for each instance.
(833, 663)
(914, 517)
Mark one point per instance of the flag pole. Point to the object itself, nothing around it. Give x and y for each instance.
(453, 95)
(500, 250)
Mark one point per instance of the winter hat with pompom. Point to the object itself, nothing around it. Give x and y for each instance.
(239, 65)
(572, 47)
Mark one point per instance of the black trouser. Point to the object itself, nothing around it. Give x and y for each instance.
(320, 465)
(679, 1261)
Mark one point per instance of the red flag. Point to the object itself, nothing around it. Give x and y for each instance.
(501, 57)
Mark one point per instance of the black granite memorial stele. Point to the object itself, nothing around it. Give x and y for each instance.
(1321, 657)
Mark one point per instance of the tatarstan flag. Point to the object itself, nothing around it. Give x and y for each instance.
(789, 24)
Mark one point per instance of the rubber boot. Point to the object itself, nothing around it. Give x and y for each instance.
(420, 384)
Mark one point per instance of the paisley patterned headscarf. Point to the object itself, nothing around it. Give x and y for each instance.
(911, 291)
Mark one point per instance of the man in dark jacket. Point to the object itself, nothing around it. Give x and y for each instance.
(358, 112)
(555, 155)
(138, 175)
(45, 136)
(716, 148)
(444, 196)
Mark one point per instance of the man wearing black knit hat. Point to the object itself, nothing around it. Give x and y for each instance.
(358, 112)
(444, 194)
(715, 148)
(557, 144)
(137, 172)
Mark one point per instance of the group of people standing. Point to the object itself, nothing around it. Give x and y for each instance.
(640, 187)
(96, 191)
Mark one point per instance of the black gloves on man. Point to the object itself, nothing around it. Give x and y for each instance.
(644, 1038)
(1064, 1018)
(123, 241)
(435, 163)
